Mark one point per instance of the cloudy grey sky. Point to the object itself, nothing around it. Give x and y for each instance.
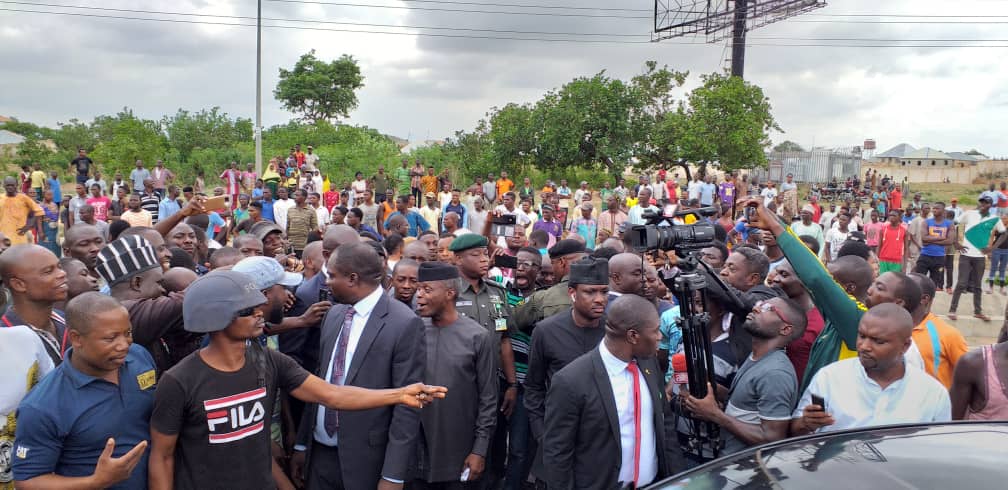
(57, 67)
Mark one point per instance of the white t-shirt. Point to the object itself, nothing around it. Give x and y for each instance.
(768, 195)
(520, 217)
(693, 189)
(23, 362)
(855, 400)
(835, 238)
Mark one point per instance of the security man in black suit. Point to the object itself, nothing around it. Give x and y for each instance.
(608, 423)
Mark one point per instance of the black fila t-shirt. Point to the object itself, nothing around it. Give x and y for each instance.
(222, 419)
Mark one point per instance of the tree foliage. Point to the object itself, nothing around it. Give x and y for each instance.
(726, 120)
(320, 91)
(187, 131)
(788, 146)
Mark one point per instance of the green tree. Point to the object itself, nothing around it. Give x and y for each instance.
(320, 91)
(513, 134)
(588, 123)
(727, 121)
(124, 138)
(657, 117)
(787, 146)
(32, 150)
(187, 131)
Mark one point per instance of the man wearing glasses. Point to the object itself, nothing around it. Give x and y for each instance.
(765, 387)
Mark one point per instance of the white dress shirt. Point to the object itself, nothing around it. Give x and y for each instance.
(280, 208)
(621, 380)
(855, 400)
(363, 309)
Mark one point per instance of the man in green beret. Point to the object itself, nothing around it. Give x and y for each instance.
(485, 302)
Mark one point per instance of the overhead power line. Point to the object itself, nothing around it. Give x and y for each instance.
(798, 41)
(460, 10)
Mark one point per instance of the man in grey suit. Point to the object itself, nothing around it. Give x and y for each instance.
(367, 341)
(608, 424)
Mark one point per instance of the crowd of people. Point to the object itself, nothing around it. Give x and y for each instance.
(404, 330)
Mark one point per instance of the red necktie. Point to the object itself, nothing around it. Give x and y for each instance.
(632, 367)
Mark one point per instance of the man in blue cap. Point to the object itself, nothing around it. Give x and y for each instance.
(208, 422)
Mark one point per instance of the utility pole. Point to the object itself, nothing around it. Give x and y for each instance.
(738, 38)
(258, 123)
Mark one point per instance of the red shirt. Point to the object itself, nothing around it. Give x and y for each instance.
(671, 186)
(896, 199)
(330, 199)
(892, 243)
(798, 350)
(101, 207)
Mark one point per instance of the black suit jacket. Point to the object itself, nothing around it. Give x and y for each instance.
(391, 353)
(581, 444)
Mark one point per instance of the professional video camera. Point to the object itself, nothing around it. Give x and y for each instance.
(673, 231)
(686, 233)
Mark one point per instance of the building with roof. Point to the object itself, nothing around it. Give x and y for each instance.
(905, 163)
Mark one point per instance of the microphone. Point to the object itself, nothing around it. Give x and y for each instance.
(679, 374)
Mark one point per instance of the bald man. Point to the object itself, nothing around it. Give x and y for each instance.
(416, 251)
(312, 259)
(32, 276)
(178, 278)
(580, 448)
(876, 388)
(626, 275)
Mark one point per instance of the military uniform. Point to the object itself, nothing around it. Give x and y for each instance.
(488, 307)
(542, 304)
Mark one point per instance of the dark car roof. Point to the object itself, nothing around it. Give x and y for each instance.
(956, 455)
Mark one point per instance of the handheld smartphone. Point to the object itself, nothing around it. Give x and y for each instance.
(323, 294)
(503, 225)
(214, 203)
(818, 400)
(506, 262)
(749, 212)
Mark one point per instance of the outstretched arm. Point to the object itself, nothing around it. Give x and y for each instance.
(315, 390)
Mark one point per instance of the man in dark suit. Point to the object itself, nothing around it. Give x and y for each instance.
(608, 424)
(367, 341)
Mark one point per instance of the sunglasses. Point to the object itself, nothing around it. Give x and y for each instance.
(764, 307)
(246, 312)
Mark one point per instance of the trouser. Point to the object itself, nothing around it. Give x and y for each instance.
(949, 270)
(933, 267)
(324, 470)
(971, 271)
(497, 452)
(418, 195)
(998, 263)
(379, 197)
(49, 238)
(82, 179)
(910, 259)
(521, 445)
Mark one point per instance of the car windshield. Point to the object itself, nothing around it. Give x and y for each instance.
(910, 457)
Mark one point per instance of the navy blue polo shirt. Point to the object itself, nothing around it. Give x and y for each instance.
(63, 423)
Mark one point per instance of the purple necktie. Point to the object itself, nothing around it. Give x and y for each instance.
(336, 378)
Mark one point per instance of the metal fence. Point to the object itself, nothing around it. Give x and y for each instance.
(816, 166)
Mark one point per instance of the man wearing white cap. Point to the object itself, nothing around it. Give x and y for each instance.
(207, 426)
(808, 227)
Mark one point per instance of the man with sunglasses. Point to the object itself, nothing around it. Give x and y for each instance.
(208, 422)
(758, 407)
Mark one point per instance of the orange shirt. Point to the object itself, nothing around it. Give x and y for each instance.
(14, 213)
(504, 186)
(934, 332)
(428, 183)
